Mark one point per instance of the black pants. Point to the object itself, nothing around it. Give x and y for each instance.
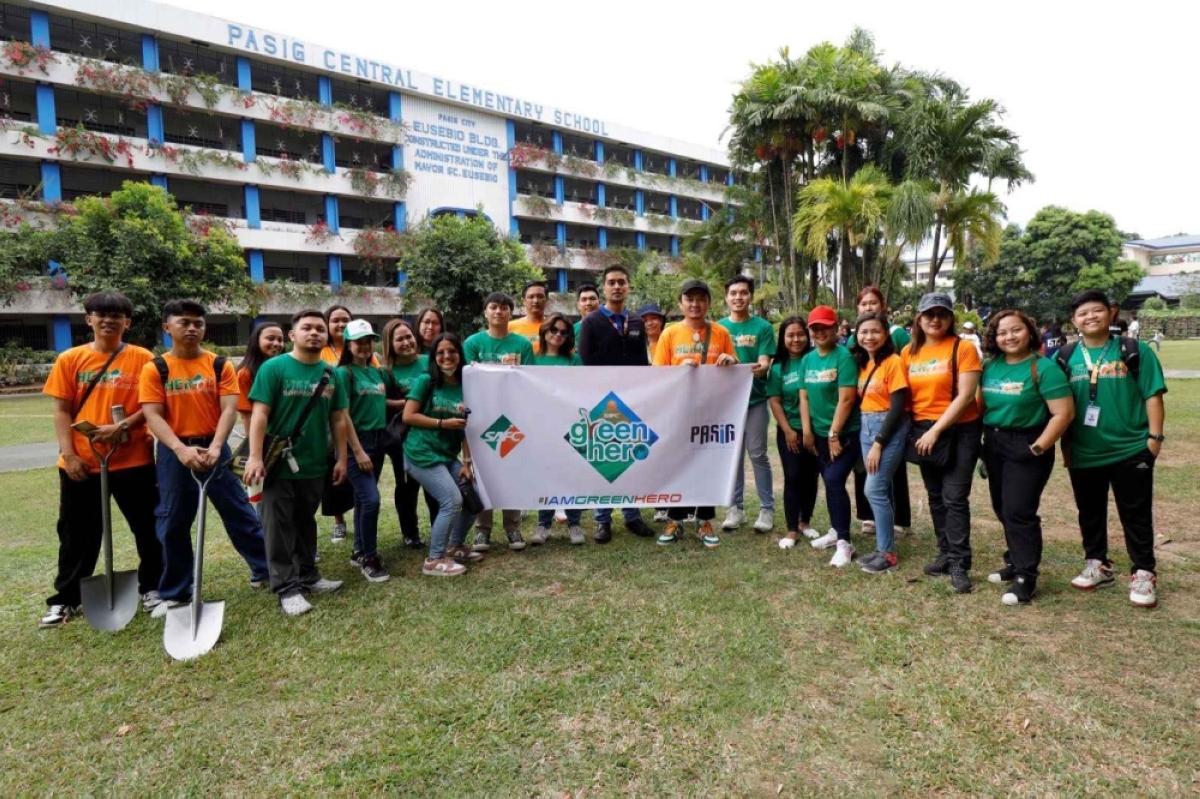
(800, 477)
(80, 531)
(1132, 484)
(405, 497)
(289, 520)
(901, 502)
(702, 514)
(1016, 479)
(949, 492)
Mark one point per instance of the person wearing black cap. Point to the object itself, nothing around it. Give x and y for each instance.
(694, 342)
(612, 336)
(654, 320)
(943, 375)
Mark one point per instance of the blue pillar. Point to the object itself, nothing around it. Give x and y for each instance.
(562, 281)
(603, 238)
(243, 73)
(671, 167)
(560, 231)
(47, 119)
(335, 271)
(674, 207)
(599, 152)
(166, 339)
(325, 90)
(258, 271)
(62, 332)
(328, 155)
(556, 138)
(640, 200)
(641, 240)
(675, 246)
(253, 208)
(703, 212)
(637, 160)
(703, 173)
(757, 253)
(249, 148)
(149, 52)
(400, 213)
(601, 195)
(511, 128)
(51, 182)
(39, 28)
(160, 181)
(155, 130)
(399, 210)
(729, 178)
(560, 189)
(332, 216)
(401, 280)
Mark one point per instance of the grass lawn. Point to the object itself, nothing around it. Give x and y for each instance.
(26, 420)
(626, 669)
(1181, 355)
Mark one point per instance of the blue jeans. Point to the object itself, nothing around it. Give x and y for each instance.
(757, 419)
(546, 517)
(366, 493)
(451, 525)
(878, 488)
(837, 499)
(604, 515)
(178, 501)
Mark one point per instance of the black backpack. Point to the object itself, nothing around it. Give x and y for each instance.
(1130, 354)
(160, 364)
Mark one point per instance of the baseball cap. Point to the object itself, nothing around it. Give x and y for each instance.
(823, 315)
(651, 308)
(935, 300)
(695, 284)
(359, 328)
(968, 325)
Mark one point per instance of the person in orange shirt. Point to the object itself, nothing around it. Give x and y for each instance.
(266, 341)
(87, 383)
(191, 409)
(693, 342)
(883, 398)
(534, 297)
(943, 373)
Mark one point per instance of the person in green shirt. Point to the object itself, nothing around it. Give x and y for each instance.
(1114, 441)
(830, 419)
(497, 345)
(799, 465)
(437, 419)
(871, 300)
(1027, 406)
(754, 342)
(401, 345)
(282, 391)
(366, 388)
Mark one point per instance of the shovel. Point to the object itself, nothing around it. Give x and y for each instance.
(193, 630)
(110, 600)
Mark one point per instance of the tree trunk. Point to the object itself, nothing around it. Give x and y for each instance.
(843, 284)
(787, 209)
(813, 278)
(774, 214)
(933, 264)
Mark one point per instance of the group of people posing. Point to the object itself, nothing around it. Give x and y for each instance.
(323, 417)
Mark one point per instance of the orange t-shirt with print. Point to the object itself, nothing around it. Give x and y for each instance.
(888, 378)
(69, 379)
(245, 381)
(191, 397)
(929, 378)
(677, 343)
(529, 329)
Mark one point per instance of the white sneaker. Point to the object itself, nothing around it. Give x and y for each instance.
(1094, 575)
(844, 554)
(826, 541)
(661, 516)
(809, 531)
(766, 521)
(1142, 589)
(324, 586)
(868, 528)
(160, 610)
(787, 543)
(295, 605)
(734, 519)
(576, 534)
(150, 600)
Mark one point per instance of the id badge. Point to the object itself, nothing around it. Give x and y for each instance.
(1091, 417)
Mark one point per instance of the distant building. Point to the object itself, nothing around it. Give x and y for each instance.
(1169, 256)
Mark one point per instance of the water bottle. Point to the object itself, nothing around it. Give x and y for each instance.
(118, 416)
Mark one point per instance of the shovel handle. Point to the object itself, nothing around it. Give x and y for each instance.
(106, 519)
(202, 480)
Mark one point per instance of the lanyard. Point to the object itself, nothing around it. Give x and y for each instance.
(1094, 369)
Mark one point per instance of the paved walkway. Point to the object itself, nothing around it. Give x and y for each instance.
(24, 457)
(1181, 374)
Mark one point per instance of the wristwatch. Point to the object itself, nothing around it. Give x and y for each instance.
(1159, 439)
(1036, 449)
(834, 436)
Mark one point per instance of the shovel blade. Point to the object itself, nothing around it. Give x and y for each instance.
(177, 634)
(125, 598)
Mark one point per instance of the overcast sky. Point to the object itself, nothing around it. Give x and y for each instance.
(1104, 101)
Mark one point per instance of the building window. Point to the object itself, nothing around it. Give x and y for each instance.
(186, 58)
(15, 23)
(34, 336)
(93, 40)
(284, 82)
(362, 94)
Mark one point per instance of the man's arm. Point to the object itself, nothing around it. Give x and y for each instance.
(255, 471)
(229, 414)
(191, 457)
(338, 422)
(73, 465)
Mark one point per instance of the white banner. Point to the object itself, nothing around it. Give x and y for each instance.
(605, 436)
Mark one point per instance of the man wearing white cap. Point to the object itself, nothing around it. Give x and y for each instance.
(970, 334)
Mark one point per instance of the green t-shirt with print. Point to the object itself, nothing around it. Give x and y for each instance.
(1121, 430)
(784, 382)
(1010, 398)
(823, 376)
(404, 375)
(752, 339)
(368, 396)
(557, 360)
(483, 348)
(285, 385)
(429, 447)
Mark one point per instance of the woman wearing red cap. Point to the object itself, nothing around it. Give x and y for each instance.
(829, 415)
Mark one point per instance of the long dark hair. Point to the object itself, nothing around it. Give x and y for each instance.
(416, 326)
(861, 356)
(435, 374)
(254, 357)
(568, 345)
(782, 356)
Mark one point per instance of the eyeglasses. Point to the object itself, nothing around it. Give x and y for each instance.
(446, 354)
(558, 331)
(939, 313)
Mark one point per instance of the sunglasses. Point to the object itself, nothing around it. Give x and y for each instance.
(558, 331)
